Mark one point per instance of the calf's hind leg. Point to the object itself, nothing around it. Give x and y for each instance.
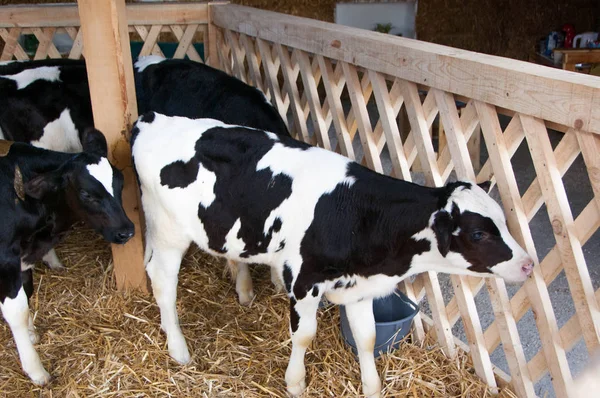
(163, 269)
(303, 327)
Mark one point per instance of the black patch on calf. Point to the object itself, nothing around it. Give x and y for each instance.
(148, 117)
(241, 192)
(338, 285)
(179, 174)
(350, 284)
(178, 87)
(443, 226)
(482, 254)
(281, 246)
(294, 316)
(27, 279)
(365, 229)
(288, 278)
(315, 291)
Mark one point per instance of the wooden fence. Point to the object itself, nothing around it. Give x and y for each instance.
(320, 75)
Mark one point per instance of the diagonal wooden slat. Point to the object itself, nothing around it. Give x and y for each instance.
(186, 38)
(223, 51)
(271, 73)
(46, 47)
(518, 225)
(333, 91)
(238, 54)
(290, 77)
(361, 115)
(150, 47)
(77, 48)
(389, 125)
(310, 88)
(11, 45)
(253, 63)
(562, 221)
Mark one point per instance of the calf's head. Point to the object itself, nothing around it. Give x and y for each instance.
(90, 187)
(472, 235)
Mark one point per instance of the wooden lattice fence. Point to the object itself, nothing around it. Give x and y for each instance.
(345, 90)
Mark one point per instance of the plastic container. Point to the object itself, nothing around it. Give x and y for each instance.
(393, 318)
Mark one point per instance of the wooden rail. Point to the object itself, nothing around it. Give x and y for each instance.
(182, 20)
(333, 77)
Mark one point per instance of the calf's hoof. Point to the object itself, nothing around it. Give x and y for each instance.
(297, 389)
(39, 377)
(179, 352)
(372, 391)
(246, 298)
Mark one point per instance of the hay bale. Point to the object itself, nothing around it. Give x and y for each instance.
(101, 343)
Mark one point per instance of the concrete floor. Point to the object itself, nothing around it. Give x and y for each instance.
(580, 193)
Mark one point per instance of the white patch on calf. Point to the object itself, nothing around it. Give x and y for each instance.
(103, 172)
(60, 135)
(1, 134)
(28, 76)
(145, 61)
(2, 63)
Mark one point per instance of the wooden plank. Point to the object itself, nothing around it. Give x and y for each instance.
(390, 127)
(562, 221)
(77, 47)
(289, 77)
(210, 45)
(150, 40)
(271, 74)
(442, 327)
(359, 108)
(312, 95)
(567, 98)
(238, 56)
(137, 14)
(186, 39)
(253, 63)
(333, 93)
(10, 44)
(225, 62)
(45, 47)
(519, 227)
(112, 90)
(420, 133)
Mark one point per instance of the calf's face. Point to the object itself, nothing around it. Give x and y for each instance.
(91, 187)
(471, 233)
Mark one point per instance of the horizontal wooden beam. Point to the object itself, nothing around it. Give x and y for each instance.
(61, 15)
(559, 96)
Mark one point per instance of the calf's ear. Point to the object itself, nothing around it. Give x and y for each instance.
(44, 184)
(443, 227)
(94, 142)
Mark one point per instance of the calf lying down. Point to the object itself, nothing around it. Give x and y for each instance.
(325, 224)
(42, 194)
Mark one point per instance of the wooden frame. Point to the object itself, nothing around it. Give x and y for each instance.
(427, 81)
(344, 89)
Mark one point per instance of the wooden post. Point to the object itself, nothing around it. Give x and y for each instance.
(110, 76)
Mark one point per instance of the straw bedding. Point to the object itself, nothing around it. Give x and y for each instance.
(100, 343)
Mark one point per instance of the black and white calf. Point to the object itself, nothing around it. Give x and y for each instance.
(327, 225)
(176, 87)
(42, 194)
(46, 104)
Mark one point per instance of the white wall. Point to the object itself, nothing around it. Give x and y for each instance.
(366, 15)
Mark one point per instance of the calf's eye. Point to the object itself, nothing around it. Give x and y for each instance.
(476, 236)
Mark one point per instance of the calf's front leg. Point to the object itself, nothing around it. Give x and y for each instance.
(16, 313)
(362, 323)
(163, 270)
(303, 327)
